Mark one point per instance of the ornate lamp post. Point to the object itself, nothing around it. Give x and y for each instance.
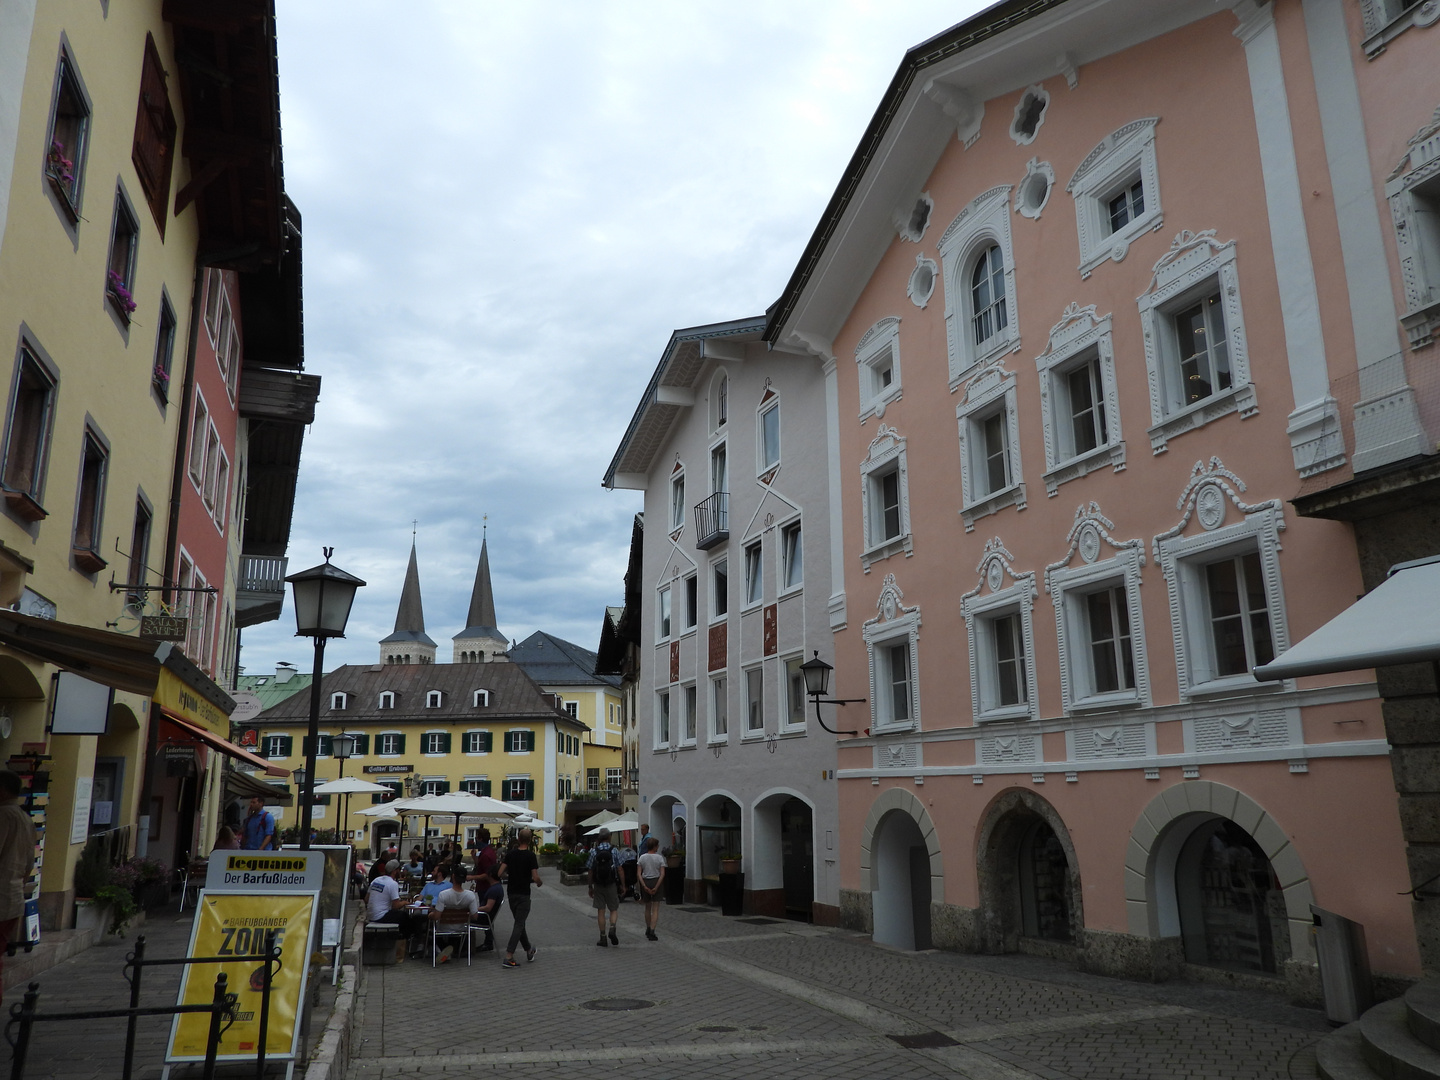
(323, 595)
(817, 685)
(343, 748)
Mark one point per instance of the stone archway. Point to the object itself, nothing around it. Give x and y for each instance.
(1029, 877)
(902, 868)
(1157, 843)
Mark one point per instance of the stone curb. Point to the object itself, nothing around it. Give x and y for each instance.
(330, 1059)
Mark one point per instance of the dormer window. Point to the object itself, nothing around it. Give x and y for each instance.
(339, 702)
(433, 699)
(387, 699)
(481, 699)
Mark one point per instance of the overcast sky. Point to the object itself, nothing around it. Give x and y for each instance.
(507, 210)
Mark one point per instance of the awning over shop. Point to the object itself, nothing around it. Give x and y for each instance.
(1398, 622)
(246, 786)
(117, 660)
(225, 746)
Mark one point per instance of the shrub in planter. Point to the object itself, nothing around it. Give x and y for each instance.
(147, 881)
(573, 864)
(121, 904)
(92, 872)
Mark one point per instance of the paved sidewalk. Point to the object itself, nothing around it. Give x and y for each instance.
(727, 997)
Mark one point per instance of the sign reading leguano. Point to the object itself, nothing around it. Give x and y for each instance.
(266, 871)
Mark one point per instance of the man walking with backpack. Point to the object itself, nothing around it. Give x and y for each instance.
(604, 866)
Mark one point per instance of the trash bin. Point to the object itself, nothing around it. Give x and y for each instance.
(1344, 966)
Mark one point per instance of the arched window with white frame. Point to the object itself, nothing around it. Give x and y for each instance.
(978, 266)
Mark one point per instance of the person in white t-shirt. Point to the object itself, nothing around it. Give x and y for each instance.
(383, 904)
(652, 876)
(455, 898)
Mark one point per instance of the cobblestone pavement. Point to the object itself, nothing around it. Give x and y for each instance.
(720, 997)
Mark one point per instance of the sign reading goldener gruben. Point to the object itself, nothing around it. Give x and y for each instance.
(266, 871)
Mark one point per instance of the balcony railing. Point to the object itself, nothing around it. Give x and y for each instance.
(712, 521)
(260, 592)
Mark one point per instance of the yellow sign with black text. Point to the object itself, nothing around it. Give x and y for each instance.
(239, 925)
(172, 693)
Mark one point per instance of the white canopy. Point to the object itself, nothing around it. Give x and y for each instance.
(1398, 622)
(616, 825)
(384, 811)
(599, 819)
(471, 807)
(349, 785)
(538, 824)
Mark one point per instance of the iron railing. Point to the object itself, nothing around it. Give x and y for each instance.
(712, 520)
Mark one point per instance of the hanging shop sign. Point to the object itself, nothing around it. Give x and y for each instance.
(241, 925)
(164, 627)
(174, 695)
(389, 768)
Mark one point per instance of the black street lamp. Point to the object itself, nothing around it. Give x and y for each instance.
(323, 595)
(817, 685)
(342, 747)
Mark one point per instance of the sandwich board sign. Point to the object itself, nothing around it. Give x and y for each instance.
(248, 896)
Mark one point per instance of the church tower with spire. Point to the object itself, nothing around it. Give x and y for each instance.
(481, 641)
(409, 644)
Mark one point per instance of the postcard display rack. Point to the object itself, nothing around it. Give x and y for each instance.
(35, 798)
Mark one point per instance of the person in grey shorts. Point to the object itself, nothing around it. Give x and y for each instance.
(652, 875)
(604, 867)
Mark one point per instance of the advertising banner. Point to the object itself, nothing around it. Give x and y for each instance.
(238, 924)
(266, 871)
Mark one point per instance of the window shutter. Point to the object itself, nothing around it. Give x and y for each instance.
(304, 745)
(362, 743)
(529, 741)
(487, 741)
(485, 784)
(445, 742)
(399, 744)
(287, 745)
(444, 788)
(153, 153)
(529, 786)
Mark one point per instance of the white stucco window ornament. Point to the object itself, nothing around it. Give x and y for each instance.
(1117, 194)
(1029, 115)
(892, 639)
(1095, 590)
(998, 615)
(1385, 20)
(885, 498)
(877, 362)
(1033, 191)
(1413, 191)
(964, 109)
(912, 220)
(1222, 572)
(978, 266)
(921, 285)
(1079, 399)
(1196, 356)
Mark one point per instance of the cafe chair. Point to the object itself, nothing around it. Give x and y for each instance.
(449, 924)
(193, 879)
(480, 922)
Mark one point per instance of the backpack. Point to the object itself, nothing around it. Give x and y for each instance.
(603, 872)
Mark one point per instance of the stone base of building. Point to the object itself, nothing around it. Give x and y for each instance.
(824, 914)
(768, 902)
(856, 912)
(953, 927)
(57, 910)
(1126, 956)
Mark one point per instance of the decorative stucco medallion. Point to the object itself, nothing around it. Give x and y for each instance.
(1119, 250)
(1210, 507)
(1089, 543)
(995, 576)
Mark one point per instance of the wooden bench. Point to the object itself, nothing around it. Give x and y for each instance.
(379, 943)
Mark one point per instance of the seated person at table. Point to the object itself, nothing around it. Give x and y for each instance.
(384, 904)
(434, 887)
(492, 895)
(415, 868)
(455, 898)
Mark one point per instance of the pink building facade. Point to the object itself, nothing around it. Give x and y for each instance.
(1090, 327)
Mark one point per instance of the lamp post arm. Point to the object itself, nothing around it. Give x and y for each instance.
(833, 701)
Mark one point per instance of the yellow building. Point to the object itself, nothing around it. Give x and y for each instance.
(109, 211)
(427, 729)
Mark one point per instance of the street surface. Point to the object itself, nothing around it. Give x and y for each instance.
(728, 997)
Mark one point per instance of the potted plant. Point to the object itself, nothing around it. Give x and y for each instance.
(119, 294)
(675, 876)
(572, 869)
(120, 905)
(92, 877)
(730, 862)
(675, 858)
(147, 880)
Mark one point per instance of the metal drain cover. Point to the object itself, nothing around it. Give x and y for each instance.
(927, 1040)
(618, 1004)
(717, 1027)
(759, 920)
(697, 909)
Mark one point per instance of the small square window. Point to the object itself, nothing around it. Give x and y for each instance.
(339, 702)
(794, 692)
(755, 700)
(69, 140)
(27, 439)
(770, 437)
(720, 587)
(877, 359)
(720, 708)
(120, 268)
(793, 556)
(754, 575)
(677, 501)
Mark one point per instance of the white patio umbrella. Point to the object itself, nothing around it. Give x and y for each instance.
(530, 821)
(599, 819)
(616, 825)
(475, 809)
(350, 785)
